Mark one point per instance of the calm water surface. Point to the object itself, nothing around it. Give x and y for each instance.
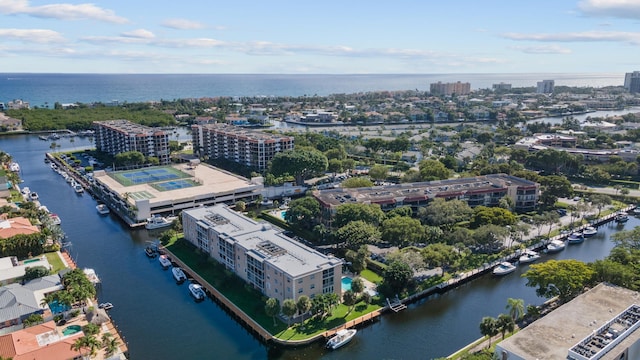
(160, 321)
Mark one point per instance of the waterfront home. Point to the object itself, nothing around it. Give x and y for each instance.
(264, 257)
(40, 342)
(12, 270)
(16, 226)
(18, 301)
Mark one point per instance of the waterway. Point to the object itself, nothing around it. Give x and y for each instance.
(159, 320)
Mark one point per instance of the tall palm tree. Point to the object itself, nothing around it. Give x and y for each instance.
(516, 308)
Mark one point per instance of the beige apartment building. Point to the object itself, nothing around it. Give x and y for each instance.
(264, 257)
(248, 147)
(117, 136)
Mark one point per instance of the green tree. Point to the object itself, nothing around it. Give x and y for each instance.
(553, 187)
(439, 255)
(505, 324)
(272, 308)
(356, 182)
(433, 170)
(515, 308)
(304, 305)
(289, 309)
(299, 163)
(615, 273)
(483, 215)
(357, 286)
(349, 298)
(489, 327)
(378, 172)
(441, 212)
(600, 201)
(335, 166)
(369, 213)
(35, 272)
(402, 231)
(32, 319)
(358, 259)
(397, 276)
(303, 212)
(562, 278)
(357, 233)
(241, 205)
(110, 343)
(629, 239)
(400, 211)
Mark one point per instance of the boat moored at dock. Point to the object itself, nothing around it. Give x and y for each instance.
(528, 256)
(341, 338)
(555, 246)
(504, 268)
(179, 275)
(197, 292)
(165, 262)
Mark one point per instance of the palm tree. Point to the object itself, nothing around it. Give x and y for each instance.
(505, 324)
(110, 343)
(489, 327)
(516, 308)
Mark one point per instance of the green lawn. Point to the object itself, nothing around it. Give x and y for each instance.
(252, 302)
(54, 260)
(371, 276)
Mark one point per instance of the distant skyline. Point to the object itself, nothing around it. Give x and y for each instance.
(329, 37)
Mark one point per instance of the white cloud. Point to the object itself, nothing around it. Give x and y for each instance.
(183, 24)
(542, 49)
(139, 33)
(586, 36)
(60, 11)
(31, 35)
(629, 9)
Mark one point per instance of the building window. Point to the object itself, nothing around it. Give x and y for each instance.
(313, 286)
(313, 276)
(299, 281)
(300, 291)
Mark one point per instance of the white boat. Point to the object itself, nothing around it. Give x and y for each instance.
(555, 246)
(33, 196)
(14, 166)
(53, 166)
(528, 256)
(197, 292)
(158, 222)
(106, 306)
(68, 179)
(25, 191)
(164, 261)
(103, 209)
(622, 217)
(341, 338)
(504, 268)
(575, 238)
(78, 188)
(178, 274)
(589, 231)
(636, 211)
(55, 219)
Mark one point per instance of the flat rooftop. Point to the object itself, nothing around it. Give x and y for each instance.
(235, 131)
(127, 127)
(552, 336)
(411, 192)
(210, 180)
(263, 242)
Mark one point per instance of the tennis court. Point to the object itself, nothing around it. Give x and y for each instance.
(174, 185)
(144, 176)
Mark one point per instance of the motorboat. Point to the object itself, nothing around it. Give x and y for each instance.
(528, 256)
(575, 238)
(33, 196)
(55, 219)
(341, 338)
(622, 217)
(103, 209)
(150, 252)
(589, 231)
(25, 191)
(78, 188)
(555, 246)
(197, 292)
(158, 222)
(165, 262)
(504, 268)
(636, 211)
(53, 166)
(106, 306)
(14, 166)
(179, 275)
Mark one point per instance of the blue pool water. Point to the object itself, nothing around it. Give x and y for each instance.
(71, 329)
(346, 283)
(57, 308)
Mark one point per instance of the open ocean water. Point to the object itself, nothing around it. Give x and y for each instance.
(46, 89)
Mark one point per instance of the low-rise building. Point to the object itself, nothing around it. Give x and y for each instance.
(486, 190)
(18, 301)
(39, 342)
(264, 257)
(599, 324)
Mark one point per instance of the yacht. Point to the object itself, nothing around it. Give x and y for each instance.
(341, 338)
(197, 292)
(55, 219)
(158, 222)
(33, 196)
(528, 256)
(555, 246)
(504, 268)
(103, 209)
(179, 275)
(589, 231)
(575, 238)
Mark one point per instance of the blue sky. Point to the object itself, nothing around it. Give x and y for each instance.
(320, 37)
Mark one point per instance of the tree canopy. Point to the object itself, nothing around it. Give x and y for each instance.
(299, 163)
(303, 212)
(370, 213)
(562, 278)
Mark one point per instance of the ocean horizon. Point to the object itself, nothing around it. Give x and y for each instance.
(44, 89)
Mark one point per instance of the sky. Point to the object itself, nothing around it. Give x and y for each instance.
(320, 37)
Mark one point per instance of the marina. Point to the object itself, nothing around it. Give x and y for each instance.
(115, 252)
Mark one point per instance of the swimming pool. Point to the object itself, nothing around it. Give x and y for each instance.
(71, 329)
(346, 283)
(57, 308)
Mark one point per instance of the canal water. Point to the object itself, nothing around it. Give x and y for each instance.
(159, 320)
